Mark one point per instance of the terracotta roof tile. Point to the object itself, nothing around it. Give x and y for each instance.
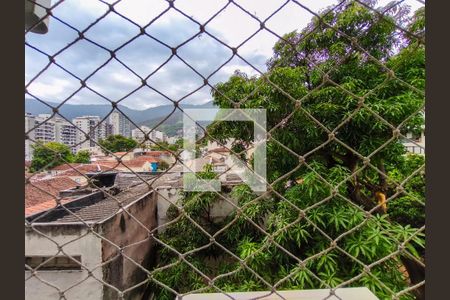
(65, 167)
(41, 191)
(31, 210)
(81, 169)
(156, 153)
(99, 209)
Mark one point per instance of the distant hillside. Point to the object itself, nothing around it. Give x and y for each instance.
(174, 123)
(149, 117)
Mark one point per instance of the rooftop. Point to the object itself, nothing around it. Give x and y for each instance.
(95, 207)
(41, 194)
(81, 169)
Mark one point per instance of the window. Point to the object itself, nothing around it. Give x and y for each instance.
(53, 263)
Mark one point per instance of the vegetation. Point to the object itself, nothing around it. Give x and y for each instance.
(327, 192)
(82, 156)
(117, 143)
(49, 155)
(164, 146)
(52, 154)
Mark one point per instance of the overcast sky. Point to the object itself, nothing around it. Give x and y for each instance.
(144, 55)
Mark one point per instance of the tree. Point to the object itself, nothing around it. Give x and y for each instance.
(49, 155)
(117, 143)
(355, 161)
(164, 146)
(82, 156)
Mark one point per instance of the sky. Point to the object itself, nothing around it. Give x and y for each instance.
(144, 55)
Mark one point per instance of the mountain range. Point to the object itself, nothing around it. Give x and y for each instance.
(149, 117)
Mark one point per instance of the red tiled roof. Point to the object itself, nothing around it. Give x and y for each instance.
(132, 163)
(121, 153)
(43, 206)
(64, 167)
(107, 163)
(81, 169)
(137, 162)
(42, 191)
(156, 153)
(146, 158)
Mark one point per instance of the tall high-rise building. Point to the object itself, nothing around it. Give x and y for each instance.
(48, 129)
(65, 133)
(93, 127)
(45, 131)
(120, 124)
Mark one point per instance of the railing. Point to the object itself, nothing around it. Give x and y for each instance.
(343, 205)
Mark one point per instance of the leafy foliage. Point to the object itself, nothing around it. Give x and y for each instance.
(50, 155)
(82, 156)
(288, 236)
(117, 143)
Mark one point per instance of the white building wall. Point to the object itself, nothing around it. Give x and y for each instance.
(88, 246)
(65, 133)
(138, 135)
(85, 125)
(29, 124)
(416, 147)
(45, 132)
(121, 125)
(50, 130)
(155, 136)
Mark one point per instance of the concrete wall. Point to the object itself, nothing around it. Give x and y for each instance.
(165, 196)
(123, 230)
(88, 246)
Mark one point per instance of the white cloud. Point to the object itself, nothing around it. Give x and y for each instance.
(144, 55)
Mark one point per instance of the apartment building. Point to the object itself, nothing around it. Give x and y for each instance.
(45, 130)
(48, 129)
(65, 133)
(155, 135)
(30, 122)
(94, 260)
(120, 124)
(94, 128)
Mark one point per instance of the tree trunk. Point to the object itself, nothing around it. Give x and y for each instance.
(416, 273)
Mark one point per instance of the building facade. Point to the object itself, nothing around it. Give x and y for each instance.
(88, 253)
(48, 129)
(155, 136)
(120, 124)
(30, 122)
(94, 128)
(65, 133)
(45, 131)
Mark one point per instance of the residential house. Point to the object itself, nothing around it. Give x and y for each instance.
(87, 261)
(41, 195)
